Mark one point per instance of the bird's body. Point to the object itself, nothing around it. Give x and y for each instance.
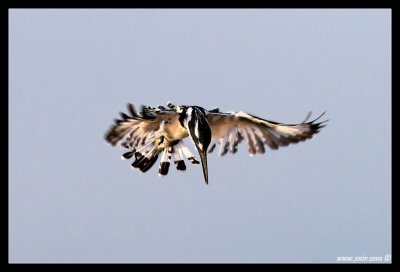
(161, 130)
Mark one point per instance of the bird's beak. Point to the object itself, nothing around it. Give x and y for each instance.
(203, 157)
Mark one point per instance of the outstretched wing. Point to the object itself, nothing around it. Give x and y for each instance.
(228, 129)
(136, 130)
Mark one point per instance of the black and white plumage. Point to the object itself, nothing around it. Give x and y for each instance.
(160, 131)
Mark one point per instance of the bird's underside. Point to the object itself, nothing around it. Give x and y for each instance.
(160, 131)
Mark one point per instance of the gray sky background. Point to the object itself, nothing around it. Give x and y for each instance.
(71, 198)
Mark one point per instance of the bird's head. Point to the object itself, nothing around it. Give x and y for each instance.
(194, 119)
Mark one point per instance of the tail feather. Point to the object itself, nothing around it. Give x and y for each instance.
(146, 156)
(180, 164)
(186, 152)
(151, 162)
(165, 161)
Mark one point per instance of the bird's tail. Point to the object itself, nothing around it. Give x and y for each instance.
(178, 152)
(146, 156)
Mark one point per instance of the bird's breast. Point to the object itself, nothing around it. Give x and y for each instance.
(173, 130)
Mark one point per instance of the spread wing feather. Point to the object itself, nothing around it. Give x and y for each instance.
(136, 130)
(229, 129)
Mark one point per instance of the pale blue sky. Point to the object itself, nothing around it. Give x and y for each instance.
(71, 198)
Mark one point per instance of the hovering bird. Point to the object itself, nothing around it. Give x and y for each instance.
(161, 130)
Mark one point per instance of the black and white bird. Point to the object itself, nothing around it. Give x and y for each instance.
(161, 130)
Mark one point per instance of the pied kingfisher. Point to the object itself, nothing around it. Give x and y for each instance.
(162, 130)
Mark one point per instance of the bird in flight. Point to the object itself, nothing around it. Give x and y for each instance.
(160, 131)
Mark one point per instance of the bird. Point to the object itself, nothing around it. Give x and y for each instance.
(160, 131)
